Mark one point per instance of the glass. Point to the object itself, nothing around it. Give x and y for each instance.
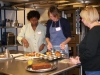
(30, 62)
(7, 53)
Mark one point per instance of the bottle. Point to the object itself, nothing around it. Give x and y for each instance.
(7, 53)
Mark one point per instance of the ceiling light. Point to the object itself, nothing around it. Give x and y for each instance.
(61, 1)
(93, 5)
(85, 1)
(79, 5)
(70, 4)
(57, 1)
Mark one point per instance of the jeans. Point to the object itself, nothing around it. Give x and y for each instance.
(92, 72)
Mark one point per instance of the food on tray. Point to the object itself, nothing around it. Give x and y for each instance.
(58, 54)
(42, 65)
(2, 56)
(33, 54)
(49, 53)
(30, 54)
(38, 54)
(45, 57)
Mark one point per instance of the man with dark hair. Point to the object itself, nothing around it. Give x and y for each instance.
(32, 35)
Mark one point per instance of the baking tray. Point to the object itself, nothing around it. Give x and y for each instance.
(52, 58)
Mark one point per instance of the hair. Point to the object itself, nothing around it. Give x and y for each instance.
(90, 14)
(32, 14)
(54, 11)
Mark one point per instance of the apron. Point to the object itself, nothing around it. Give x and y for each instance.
(57, 37)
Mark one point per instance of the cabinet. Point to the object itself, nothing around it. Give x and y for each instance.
(8, 28)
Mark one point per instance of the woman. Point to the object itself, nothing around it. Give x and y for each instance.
(89, 48)
(32, 35)
(58, 32)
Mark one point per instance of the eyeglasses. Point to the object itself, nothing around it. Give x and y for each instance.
(80, 19)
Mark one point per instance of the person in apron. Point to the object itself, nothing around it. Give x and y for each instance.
(57, 36)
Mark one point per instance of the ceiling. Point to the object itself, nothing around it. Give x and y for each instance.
(61, 4)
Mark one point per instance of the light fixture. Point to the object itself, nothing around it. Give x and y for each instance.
(76, 3)
(93, 5)
(79, 5)
(85, 1)
(57, 1)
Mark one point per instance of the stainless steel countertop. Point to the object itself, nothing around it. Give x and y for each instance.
(18, 67)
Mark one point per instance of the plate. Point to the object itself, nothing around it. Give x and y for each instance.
(25, 58)
(5, 58)
(16, 55)
(29, 68)
(2, 57)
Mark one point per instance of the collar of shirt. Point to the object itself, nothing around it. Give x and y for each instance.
(55, 24)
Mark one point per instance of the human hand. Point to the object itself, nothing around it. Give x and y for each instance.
(41, 47)
(25, 43)
(62, 46)
(49, 46)
(75, 60)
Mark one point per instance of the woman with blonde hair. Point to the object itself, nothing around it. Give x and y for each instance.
(89, 48)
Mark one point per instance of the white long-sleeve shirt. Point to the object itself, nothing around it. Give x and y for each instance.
(35, 38)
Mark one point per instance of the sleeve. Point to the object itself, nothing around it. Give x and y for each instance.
(21, 34)
(47, 29)
(91, 47)
(66, 28)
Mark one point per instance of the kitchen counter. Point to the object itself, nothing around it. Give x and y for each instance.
(18, 67)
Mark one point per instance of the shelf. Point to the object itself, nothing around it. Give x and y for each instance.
(10, 45)
(11, 27)
(11, 8)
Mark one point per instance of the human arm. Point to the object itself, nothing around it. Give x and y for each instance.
(41, 47)
(21, 37)
(49, 45)
(66, 32)
(25, 42)
(74, 60)
(62, 45)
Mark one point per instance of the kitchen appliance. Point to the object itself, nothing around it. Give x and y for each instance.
(8, 38)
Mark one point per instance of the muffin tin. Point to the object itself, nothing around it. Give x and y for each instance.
(52, 57)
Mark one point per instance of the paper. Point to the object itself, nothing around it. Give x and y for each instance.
(16, 55)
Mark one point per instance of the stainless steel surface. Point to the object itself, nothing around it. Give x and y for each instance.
(17, 67)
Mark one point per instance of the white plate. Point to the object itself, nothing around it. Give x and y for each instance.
(3, 58)
(17, 55)
(25, 58)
